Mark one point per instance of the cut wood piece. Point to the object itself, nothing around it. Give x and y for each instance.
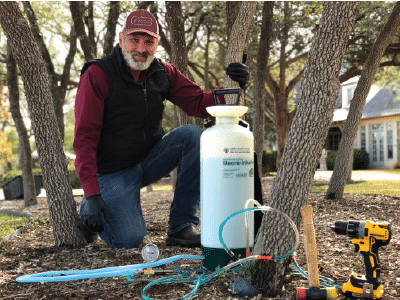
(310, 245)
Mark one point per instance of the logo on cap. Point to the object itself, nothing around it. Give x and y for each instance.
(141, 21)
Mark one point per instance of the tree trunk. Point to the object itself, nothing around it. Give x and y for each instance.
(90, 25)
(232, 11)
(62, 208)
(179, 53)
(259, 81)
(111, 27)
(291, 187)
(342, 164)
(76, 8)
(25, 158)
(207, 86)
(281, 108)
(236, 44)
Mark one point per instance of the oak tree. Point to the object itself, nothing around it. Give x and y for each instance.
(291, 187)
(62, 208)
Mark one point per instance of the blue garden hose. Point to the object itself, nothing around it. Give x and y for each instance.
(55, 276)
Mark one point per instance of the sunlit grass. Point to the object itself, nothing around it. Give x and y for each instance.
(380, 187)
(165, 188)
(9, 224)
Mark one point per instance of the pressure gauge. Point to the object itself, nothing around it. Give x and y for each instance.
(150, 253)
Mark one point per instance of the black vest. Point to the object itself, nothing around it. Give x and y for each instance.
(132, 113)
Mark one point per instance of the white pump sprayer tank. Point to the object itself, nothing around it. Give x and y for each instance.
(226, 183)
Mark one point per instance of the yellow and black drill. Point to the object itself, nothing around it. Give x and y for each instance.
(367, 237)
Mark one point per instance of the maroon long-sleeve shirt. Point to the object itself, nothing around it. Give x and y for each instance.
(93, 89)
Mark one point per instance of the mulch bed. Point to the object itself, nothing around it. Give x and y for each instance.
(33, 251)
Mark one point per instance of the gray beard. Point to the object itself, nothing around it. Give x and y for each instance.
(137, 65)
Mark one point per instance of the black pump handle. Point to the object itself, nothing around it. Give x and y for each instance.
(225, 92)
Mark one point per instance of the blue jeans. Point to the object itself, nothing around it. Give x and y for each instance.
(120, 191)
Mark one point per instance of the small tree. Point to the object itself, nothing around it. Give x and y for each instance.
(344, 159)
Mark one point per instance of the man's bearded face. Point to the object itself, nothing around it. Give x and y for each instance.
(138, 50)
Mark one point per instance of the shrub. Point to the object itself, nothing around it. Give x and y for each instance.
(13, 173)
(269, 161)
(73, 177)
(360, 159)
(396, 166)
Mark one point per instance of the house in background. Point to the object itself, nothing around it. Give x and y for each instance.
(379, 128)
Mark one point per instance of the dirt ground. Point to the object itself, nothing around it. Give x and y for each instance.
(33, 251)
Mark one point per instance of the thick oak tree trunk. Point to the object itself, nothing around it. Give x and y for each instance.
(24, 151)
(318, 95)
(63, 215)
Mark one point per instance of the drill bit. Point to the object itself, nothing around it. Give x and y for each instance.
(331, 226)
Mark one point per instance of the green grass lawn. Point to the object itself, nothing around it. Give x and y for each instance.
(370, 182)
(8, 224)
(380, 187)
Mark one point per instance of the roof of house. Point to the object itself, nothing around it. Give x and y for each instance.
(385, 102)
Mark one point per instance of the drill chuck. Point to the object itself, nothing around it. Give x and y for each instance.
(350, 228)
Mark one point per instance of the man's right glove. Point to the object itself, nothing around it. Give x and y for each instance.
(96, 209)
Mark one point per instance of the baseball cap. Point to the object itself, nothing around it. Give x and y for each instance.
(141, 21)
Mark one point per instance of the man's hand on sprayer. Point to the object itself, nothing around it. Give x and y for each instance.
(96, 208)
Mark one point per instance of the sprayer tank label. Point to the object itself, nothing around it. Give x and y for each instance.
(237, 168)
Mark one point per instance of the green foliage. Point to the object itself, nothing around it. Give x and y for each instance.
(73, 176)
(269, 162)
(360, 159)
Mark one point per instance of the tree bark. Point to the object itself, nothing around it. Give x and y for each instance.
(179, 53)
(259, 80)
(236, 44)
(232, 11)
(281, 108)
(25, 158)
(319, 92)
(207, 86)
(90, 25)
(62, 208)
(77, 13)
(111, 27)
(345, 153)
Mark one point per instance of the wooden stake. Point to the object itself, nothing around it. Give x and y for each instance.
(310, 245)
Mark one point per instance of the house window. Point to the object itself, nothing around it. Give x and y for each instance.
(389, 133)
(363, 138)
(334, 139)
(350, 94)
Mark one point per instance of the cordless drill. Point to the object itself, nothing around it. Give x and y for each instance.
(367, 237)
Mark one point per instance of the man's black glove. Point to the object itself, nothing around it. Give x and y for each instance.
(238, 72)
(96, 209)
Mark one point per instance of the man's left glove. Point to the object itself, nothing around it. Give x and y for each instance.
(238, 72)
(96, 209)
